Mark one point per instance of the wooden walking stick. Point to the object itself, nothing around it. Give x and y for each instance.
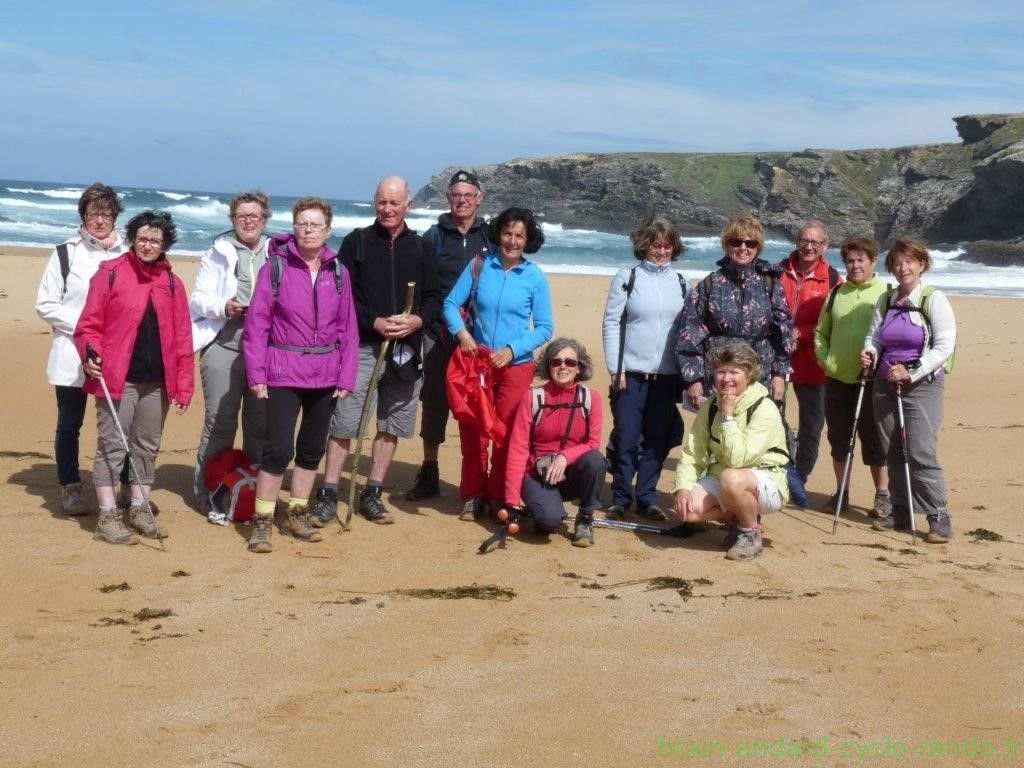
(364, 417)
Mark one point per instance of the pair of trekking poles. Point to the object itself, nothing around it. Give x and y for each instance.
(865, 376)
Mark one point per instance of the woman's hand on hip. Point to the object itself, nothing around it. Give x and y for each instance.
(501, 358)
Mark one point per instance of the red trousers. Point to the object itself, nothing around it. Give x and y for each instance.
(509, 384)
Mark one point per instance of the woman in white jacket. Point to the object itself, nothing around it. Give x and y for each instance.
(224, 282)
(59, 302)
(641, 319)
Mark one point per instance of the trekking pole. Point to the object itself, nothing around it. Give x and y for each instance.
(364, 416)
(844, 484)
(93, 356)
(906, 461)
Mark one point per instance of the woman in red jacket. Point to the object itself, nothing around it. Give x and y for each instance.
(554, 450)
(136, 323)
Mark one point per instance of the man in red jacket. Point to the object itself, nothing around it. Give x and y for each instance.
(807, 278)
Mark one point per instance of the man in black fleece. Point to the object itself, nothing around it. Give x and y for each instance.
(458, 237)
(382, 259)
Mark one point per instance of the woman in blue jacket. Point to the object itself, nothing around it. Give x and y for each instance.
(509, 303)
(641, 323)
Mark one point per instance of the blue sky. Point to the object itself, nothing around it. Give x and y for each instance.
(326, 97)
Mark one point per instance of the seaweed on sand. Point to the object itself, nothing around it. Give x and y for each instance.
(473, 592)
(984, 534)
(115, 587)
(148, 614)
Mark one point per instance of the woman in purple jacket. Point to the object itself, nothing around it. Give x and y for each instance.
(301, 348)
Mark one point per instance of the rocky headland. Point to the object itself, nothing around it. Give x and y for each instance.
(968, 195)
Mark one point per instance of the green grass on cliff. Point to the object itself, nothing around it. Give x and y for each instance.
(862, 172)
(710, 179)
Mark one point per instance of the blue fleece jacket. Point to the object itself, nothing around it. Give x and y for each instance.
(505, 302)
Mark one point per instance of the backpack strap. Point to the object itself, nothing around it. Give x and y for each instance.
(831, 300)
(628, 288)
(833, 276)
(582, 400)
(437, 239)
(64, 259)
(276, 272)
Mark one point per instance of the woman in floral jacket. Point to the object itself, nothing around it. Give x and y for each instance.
(744, 301)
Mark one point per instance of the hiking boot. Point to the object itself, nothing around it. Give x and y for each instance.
(472, 509)
(325, 508)
(297, 523)
(833, 500)
(653, 513)
(748, 544)
(882, 506)
(940, 528)
(583, 534)
(111, 528)
(428, 483)
(616, 512)
(372, 508)
(259, 539)
(142, 520)
(72, 500)
(897, 520)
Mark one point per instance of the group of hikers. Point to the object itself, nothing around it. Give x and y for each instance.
(292, 334)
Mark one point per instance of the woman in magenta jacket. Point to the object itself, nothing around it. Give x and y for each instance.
(135, 331)
(301, 347)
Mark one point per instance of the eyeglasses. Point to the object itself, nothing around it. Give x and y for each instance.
(660, 247)
(463, 195)
(568, 362)
(811, 243)
(736, 242)
(249, 217)
(309, 226)
(108, 216)
(148, 242)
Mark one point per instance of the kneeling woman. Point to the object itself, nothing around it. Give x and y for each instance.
(733, 465)
(554, 449)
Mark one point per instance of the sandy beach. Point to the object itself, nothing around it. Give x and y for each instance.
(325, 654)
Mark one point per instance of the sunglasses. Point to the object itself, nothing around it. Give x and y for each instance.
(568, 362)
(736, 242)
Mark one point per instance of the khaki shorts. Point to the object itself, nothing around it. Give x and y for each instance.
(769, 498)
(397, 400)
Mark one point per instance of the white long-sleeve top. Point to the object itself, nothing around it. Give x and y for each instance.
(62, 307)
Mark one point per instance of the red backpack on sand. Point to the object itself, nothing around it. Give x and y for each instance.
(230, 477)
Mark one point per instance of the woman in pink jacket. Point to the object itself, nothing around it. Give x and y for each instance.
(554, 450)
(135, 331)
(301, 347)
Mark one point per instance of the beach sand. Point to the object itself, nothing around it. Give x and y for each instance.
(312, 655)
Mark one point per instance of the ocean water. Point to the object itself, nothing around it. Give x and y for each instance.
(43, 214)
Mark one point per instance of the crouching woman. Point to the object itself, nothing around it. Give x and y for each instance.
(733, 465)
(554, 449)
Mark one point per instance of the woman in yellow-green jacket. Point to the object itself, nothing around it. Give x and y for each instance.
(733, 465)
(838, 340)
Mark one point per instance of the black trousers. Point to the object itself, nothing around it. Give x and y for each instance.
(583, 480)
(283, 407)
